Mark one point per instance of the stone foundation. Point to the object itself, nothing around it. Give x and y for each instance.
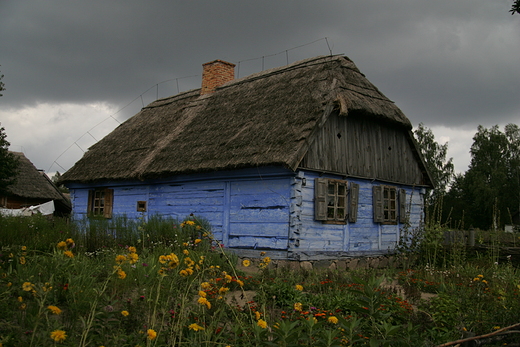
(342, 264)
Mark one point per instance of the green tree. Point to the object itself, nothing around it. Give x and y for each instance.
(2, 86)
(516, 7)
(489, 192)
(441, 169)
(8, 163)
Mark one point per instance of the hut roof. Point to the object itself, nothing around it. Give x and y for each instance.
(263, 119)
(34, 184)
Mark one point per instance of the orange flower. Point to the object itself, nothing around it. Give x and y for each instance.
(151, 334)
(58, 335)
(332, 320)
(54, 309)
(261, 323)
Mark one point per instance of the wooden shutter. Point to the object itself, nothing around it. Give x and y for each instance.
(320, 198)
(354, 194)
(402, 206)
(377, 194)
(109, 201)
(89, 203)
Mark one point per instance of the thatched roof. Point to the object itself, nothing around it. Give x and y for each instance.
(264, 119)
(33, 184)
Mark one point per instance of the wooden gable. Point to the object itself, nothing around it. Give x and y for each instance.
(366, 148)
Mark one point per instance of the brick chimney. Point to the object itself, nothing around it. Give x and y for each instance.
(216, 73)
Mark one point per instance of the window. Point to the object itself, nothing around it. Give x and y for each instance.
(141, 206)
(332, 200)
(100, 202)
(389, 203)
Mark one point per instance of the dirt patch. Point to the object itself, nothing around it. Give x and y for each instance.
(239, 297)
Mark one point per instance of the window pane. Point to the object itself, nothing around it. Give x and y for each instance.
(341, 202)
(332, 189)
(341, 189)
(330, 213)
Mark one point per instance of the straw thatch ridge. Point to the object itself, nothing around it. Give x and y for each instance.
(33, 184)
(267, 118)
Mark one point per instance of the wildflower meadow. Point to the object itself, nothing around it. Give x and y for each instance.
(170, 283)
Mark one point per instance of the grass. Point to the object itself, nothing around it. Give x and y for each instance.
(169, 283)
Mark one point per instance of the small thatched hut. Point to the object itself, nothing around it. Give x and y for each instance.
(33, 187)
(304, 159)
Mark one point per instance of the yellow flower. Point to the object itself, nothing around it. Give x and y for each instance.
(121, 274)
(23, 306)
(484, 281)
(27, 286)
(62, 245)
(476, 279)
(125, 313)
(22, 260)
(197, 241)
(188, 261)
(228, 278)
(190, 222)
(24, 248)
(261, 323)
(204, 301)
(120, 259)
(298, 306)
(68, 254)
(205, 285)
(333, 320)
(163, 259)
(202, 294)
(186, 252)
(481, 276)
(496, 327)
(69, 242)
(223, 290)
(262, 254)
(298, 287)
(195, 327)
(20, 299)
(151, 334)
(246, 262)
(240, 283)
(54, 309)
(58, 335)
(132, 249)
(258, 315)
(183, 273)
(133, 258)
(267, 260)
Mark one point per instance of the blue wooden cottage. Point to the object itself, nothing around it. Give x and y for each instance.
(307, 159)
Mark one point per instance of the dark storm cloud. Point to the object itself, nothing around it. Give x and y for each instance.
(444, 62)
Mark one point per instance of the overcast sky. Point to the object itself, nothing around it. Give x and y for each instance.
(73, 70)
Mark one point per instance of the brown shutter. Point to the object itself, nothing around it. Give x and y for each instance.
(379, 215)
(109, 199)
(89, 202)
(354, 194)
(402, 206)
(320, 198)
